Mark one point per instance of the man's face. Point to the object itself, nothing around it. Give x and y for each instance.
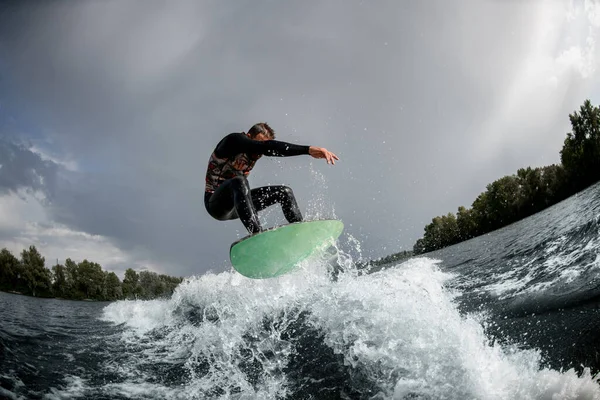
(262, 137)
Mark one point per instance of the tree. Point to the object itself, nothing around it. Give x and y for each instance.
(59, 280)
(442, 231)
(580, 154)
(450, 231)
(72, 280)
(531, 193)
(150, 285)
(503, 201)
(170, 282)
(479, 212)
(554, 181)
(130, 284)
(433, 235)
(419, 247)
(91, 279)
(35, 274)
(85, 280)
(112, 287)
(9, 270)
(467, 227)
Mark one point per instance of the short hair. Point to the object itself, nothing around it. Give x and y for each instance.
(262, 127)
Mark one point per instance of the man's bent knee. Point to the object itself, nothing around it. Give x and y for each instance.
(287, 191)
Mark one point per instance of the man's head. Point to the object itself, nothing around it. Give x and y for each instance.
(261, 131)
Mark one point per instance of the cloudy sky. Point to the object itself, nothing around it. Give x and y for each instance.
(109, 111)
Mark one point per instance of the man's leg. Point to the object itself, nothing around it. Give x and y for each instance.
(232, 200)
(266, 196)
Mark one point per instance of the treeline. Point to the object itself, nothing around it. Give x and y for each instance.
(78, 281)
(515, 197)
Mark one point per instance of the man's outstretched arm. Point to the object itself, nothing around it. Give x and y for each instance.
(240, 143)
(237, 143)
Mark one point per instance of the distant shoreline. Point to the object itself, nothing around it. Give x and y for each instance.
(83, 281)
(529, 191)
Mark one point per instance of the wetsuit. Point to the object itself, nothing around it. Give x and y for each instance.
(228, 194)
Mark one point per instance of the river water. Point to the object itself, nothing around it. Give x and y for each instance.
(509, 315)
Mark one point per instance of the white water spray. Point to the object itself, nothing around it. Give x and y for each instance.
(399, 329)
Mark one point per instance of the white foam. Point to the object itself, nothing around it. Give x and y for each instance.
(399, 326)
(140, 315)
(529, 275)
(75, 388)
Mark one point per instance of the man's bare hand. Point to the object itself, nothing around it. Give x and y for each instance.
(321, 152)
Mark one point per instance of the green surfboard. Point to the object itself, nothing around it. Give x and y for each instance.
(278, 250)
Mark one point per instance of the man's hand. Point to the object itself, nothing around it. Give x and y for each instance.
(321, 152)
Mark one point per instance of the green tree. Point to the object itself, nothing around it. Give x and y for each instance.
(420, 246)
(112, 287)
(170, 283)
(72, 276)
(130, 284)
(442, 231)
(450, 231)
(35, 274)
(59, 280)
(85, 280)
(580, 154)
(554, 181)
(433, 235)
(150, 285)
(503, 201)
(9, 270)
(90, 279)
(531, 193)
(479, 212)
(467, 226)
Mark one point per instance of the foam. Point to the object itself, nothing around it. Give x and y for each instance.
(399, 327)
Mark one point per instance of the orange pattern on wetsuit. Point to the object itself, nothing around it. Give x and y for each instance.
(236, 154)
(221, 169)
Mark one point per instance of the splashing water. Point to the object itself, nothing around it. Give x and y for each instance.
(319, 206)
(393, 334)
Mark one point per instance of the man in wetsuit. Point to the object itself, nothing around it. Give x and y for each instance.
(228, 195)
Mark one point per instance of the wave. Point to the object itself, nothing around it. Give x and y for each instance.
(392, 334)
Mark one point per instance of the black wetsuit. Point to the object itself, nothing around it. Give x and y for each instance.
(228, 194)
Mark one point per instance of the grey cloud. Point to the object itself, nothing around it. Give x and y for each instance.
(22, 169)
(140, 92)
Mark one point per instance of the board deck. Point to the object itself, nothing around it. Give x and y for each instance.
(278, 250)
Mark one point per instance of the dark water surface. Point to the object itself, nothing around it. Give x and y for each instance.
(539, 279)
(47, 341)
(510, 315)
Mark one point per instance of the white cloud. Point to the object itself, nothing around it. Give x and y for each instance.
(592, 9)
(561, 59)
(577, 59)
(16, 209)
(69, 164)
(24, 222)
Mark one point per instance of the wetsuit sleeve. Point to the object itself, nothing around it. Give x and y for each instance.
(237, 143)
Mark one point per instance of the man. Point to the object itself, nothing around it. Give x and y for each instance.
(228, 194)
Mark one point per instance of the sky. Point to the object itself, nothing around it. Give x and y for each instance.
(109, 111)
